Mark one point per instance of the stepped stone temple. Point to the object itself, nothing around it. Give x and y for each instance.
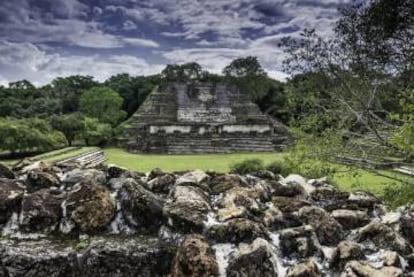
(201, 118)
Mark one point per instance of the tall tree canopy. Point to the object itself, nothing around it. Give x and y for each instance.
(249, 75)
(28, 134)
(363, 68)
(69, 124)
(133, 90)
(102, 103)
(182, 73)
(69, 89)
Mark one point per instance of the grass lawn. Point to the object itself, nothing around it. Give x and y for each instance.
(345, 179)
(365, 180)
(215, 162)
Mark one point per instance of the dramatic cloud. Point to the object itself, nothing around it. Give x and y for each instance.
(42, 39)
(30, 62)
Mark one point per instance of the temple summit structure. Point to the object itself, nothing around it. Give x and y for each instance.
(184, 118)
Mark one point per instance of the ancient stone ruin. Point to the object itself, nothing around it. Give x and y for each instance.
(109, 222)
(201, 118)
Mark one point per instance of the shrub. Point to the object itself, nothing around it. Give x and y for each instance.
(28, 134)
(247, 166)
(396, 195)
(277, 167)
(308, 168)
(83, 243)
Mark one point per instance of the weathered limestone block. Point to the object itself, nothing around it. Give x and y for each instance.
(391, 258)
(253, 259)
(345, 252)
(289, 205)
(304, 269)
(222, 183)
(360, 269)
(194, 258)
(384, 237)
(41, 210)
(86, 176)
(140, 207)
(407, 224)
(289, 190)
(11, 194)
(298, 241)
(161, 184)
(238, 230)
(127, 256)
(40, 180)
(39, 258)
(327, 229)
(6, 172)
(88, 207)
(187, 209)
(350, 219)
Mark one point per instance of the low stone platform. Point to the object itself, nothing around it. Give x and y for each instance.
(90, 159)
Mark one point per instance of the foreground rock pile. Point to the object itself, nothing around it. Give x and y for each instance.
(107, 221)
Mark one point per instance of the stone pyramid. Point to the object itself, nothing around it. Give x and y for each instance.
(200, 118)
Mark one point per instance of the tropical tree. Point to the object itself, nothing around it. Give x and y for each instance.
(69, 89)
(359, 66)
(71, 125)
(104, 104)
(182, 73)
(95, 132)
(404, 135)
(133, 90)
(28, 134)
(249, 75)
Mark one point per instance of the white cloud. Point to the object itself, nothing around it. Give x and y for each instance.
(65, 25)
(27, 61)
(3, 81)
(140, 42)
(97, 10)
(129, 25)
(278, 75)
(215, 59)
(212, 33)
(228, 19)
(72, 32)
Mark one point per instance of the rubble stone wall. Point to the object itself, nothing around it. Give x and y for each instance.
(106, 221)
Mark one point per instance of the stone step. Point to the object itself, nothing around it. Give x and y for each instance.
(226, 149)
(405, 170)
(89, 159)
(209, 142)
(221, 146)
(217, 146)
(218, 151)
(225, 146)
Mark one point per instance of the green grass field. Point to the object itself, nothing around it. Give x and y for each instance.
(360, 179)
(215, 162)
(345, 179)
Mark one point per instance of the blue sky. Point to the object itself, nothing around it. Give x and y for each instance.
(43, 39)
